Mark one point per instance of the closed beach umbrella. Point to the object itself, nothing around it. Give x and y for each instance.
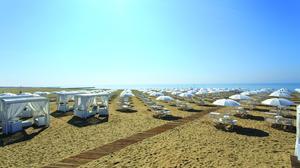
(226, 102)
(165, 98)
(240, 97)
(278, 102)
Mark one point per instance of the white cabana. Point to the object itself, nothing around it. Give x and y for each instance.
(239, 97)
(26, 111)
(226, 102)
(165, 98)
(12, 108)
(278, 102)
(7, 94)
(87, 105)
(297, 145)
(63, 99)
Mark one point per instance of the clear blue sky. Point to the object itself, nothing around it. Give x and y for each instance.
(93, 42)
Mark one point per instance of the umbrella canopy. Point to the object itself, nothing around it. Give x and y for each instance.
(297, 90)
(187, 95)
(226, 102)
(278, 102)
(156, 94)
(240, 97)
(280, 93)
(165, 98)
(201, 92)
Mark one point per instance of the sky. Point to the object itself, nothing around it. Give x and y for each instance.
(116, 42)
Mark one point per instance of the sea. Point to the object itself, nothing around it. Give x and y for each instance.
(290, 86)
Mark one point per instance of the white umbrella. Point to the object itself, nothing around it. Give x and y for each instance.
(240, 97)
(187, 95)
(226, 102)
(165, 98)
(156, 94)
(278, 102)
(297, 90)
(280, 93)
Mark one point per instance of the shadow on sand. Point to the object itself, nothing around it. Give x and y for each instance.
(79, 122)
(169, 118)
(127, 110)
(59, 114)
(19, 137)
(290, 129)
(193, 110)
(251, 117)
(250, 132)
(258, 109)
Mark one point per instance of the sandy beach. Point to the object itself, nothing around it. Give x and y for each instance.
(194, 144)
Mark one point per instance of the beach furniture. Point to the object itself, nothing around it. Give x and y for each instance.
(241, 112)
(223, 121)
(161, 113)
(281, 122)
(12, 108)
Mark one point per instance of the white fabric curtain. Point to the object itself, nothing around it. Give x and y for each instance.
(13, 110)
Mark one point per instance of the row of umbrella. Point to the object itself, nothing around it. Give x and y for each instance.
(278, 102)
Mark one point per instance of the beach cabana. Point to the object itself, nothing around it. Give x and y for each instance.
(297, 145)
(87, 105)
(12, 108)
(26, 111)
(63, 99)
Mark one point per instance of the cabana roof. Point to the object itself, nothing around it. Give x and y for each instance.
(23, 100)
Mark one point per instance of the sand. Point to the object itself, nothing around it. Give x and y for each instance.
(195, 144)
(200, 144)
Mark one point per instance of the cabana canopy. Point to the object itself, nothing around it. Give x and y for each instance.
(11, 108)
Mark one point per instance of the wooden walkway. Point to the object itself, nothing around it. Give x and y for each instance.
(94, 154)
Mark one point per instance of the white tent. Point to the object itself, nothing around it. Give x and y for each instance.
(239, 97)
(297, 145)
(165, 98)
(87, 105)
(26, 112)
(226, 102)
(12, 108)
(63, 99)
(278, 102)
(7, 94)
